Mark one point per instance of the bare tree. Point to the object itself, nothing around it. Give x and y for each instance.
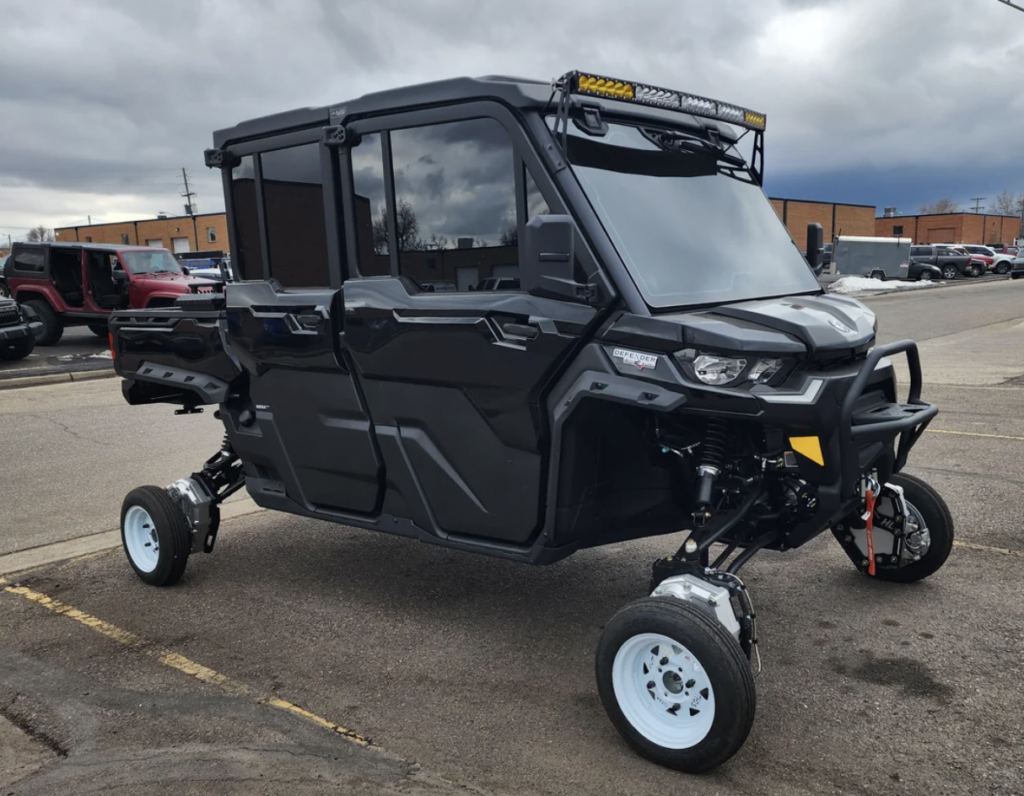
(510, 237)
(1008, 204)
(40, 234)
(941, 206)
(408, 230)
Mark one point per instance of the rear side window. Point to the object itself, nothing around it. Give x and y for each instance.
(293, 201)
(372, 248)
(919, 251)
(30, 261)
(249, 257)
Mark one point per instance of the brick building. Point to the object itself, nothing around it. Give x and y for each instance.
(205, 232)
(835, 219)
(978, 228)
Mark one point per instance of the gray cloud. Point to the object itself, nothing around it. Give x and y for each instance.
(103, 101)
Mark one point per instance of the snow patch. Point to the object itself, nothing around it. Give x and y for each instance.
(862, 284)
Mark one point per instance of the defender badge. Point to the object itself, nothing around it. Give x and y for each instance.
(641, 361)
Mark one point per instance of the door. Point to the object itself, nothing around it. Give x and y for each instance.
(156, 242)
(180, 245)
(454, 381)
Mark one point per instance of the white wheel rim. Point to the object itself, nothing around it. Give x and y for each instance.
(140, 539)
(670, 718)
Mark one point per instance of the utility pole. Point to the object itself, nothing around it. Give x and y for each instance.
(188, 194)
(977, 203)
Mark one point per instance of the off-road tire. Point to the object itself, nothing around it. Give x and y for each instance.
(19, 349)
(172, 531)
(722, 660)
(100, 329)
(53, 326)
(935, 512)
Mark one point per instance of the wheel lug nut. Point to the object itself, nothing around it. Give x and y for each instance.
(650, 685)
(663, 661)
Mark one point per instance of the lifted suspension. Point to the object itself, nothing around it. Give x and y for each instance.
(201, 494)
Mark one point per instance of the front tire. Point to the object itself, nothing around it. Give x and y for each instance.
(675, 684)
(155, 535)
(976, 271)
(929, 508)
(53, 326)
(1002, 268)
(924, 276)
(99, 329)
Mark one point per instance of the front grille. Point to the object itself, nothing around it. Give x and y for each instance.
(9, 316)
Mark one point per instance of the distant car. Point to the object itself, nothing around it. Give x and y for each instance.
(922, 272)
(440, 287)
(948, 259)
(1017, 268)
(995, 261)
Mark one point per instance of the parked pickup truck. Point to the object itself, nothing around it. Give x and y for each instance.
(949, 261)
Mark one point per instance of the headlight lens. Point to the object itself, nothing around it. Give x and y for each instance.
(716, 370)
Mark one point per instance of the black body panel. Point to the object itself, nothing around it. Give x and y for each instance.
(463, 394)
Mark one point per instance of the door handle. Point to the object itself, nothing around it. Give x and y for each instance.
(521, 330)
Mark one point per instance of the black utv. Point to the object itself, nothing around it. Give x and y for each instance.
(643, 375)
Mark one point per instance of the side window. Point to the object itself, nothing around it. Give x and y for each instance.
(455, 203)
(897, 230)
(535, 203)
(29, 260)
(371, 207)
(249, 257)
(293, 201)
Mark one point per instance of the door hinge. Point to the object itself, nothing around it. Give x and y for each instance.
(220, 159)
(339, 135)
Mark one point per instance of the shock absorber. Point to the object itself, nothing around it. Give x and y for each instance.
(710, 467)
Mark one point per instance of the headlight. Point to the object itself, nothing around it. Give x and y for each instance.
(718, 370)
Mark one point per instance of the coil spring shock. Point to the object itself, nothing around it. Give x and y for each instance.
(712, 458)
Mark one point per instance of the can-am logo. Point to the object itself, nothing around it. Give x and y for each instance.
(635, 358)
(842, 327)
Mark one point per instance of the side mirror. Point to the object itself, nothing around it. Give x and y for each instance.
(184, 270)
(547, 257)
(815, 241)
(119, 275)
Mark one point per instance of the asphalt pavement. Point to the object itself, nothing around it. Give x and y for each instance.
(469, 672)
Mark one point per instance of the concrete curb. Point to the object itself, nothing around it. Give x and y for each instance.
(55, 378)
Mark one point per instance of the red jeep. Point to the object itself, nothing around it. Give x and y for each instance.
(72, 284)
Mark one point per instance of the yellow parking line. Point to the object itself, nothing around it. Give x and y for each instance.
(973, 434)
(1003, 551)
(176, 661)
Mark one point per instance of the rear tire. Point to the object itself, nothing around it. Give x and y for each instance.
(675, 684)
(926, 502)
(1002, 268)
(949, 272)
(53, 326)
(976, 271)
(155, 535)
(99, 329)
(19, 349)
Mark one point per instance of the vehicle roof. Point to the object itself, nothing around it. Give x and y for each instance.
(516, 92)
(879, 239)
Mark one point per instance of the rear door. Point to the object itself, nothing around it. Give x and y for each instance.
(312, 439)
(454, 381)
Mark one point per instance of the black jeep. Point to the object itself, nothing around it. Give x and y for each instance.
(645, 376)
(19, 327)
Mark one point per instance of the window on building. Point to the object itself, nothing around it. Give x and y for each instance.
(124, 238)
(371, 207)
(88, 238)
(897, 229)
(455, 202)
(293, 201)
(248, 260)
(211, 235)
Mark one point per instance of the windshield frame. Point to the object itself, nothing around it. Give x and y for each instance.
(712, 134)
(133, 268)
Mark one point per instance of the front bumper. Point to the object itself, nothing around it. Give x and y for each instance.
(19, 331)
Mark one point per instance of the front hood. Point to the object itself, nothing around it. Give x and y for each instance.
(797, 325)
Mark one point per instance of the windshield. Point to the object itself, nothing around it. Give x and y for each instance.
(150, 262)
(686, 217)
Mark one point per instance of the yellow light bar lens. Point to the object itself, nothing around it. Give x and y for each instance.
(755, 119)
(606, 88)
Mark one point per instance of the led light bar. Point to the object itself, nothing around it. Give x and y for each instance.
(597, 86)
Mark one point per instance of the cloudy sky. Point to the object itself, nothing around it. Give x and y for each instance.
(883, 102)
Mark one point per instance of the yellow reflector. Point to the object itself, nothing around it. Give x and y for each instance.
(607, 88)
(809, 447)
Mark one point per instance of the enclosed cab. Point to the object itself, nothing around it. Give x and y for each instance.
(649, 353)
(73, 284)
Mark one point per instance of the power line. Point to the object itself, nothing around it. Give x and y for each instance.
(190, 206)
(1012, 5)
(977, 202)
